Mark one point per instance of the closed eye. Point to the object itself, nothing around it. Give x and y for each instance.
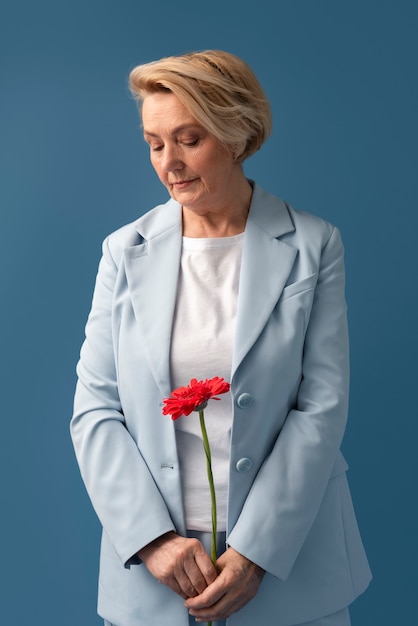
(191, 143)
(155, 148)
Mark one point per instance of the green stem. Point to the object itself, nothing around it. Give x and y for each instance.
(211, 485)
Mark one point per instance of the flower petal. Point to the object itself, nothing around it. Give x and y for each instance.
(184, 400)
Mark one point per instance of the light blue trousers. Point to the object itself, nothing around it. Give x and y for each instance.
(342, 618)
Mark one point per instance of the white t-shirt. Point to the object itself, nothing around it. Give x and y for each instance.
(202, 337)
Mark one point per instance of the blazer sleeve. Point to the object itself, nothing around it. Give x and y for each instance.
(287, 491)
(121, 488)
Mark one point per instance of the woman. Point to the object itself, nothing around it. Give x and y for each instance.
(225, 280)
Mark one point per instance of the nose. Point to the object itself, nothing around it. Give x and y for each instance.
(171, 160)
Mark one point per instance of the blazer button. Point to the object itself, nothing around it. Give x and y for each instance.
(245, 400)
(244, 464)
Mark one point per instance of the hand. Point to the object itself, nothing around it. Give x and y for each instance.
(237, 583)
(181, 564)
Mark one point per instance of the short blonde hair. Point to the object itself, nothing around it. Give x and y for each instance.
(219, 90)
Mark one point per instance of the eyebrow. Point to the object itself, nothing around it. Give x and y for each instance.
(175, 131)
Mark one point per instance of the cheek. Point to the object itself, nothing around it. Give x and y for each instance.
(210, 168)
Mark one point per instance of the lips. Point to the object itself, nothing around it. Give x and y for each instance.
(181, 184)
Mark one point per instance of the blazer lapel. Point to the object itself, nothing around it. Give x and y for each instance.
(152, 272)
(265, 267)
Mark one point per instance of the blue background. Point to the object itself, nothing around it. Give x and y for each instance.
(342, 79)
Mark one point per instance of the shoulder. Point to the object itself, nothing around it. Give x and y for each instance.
(310, 228)
(283, 221)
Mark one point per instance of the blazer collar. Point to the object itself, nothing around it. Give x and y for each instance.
(152, 269)
(160, 220)
(266, 264)
(269, 213)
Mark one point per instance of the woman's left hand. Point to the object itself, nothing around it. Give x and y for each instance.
(237, 583)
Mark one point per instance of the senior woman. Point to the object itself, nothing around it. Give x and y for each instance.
(226, 280)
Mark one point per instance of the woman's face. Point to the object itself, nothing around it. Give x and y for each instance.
(198, 171)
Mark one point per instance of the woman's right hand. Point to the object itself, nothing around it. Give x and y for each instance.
(180, 563)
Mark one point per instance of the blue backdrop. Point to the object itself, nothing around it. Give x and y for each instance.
(342, 79)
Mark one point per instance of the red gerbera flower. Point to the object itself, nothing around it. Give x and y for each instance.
(194, 397)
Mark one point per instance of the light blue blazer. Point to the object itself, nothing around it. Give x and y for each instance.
(289, 507)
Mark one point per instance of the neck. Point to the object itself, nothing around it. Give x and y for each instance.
(225, 221)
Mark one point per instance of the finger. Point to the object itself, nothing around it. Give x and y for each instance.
(198, 571)
(189, 577)
(206, 568)
(224, 608)
(171, 582)
(186, 586)
(212, 594)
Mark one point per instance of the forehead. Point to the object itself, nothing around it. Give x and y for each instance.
(164, 112)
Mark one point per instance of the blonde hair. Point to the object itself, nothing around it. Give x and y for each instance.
(219, 90)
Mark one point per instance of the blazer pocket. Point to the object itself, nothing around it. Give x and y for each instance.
(299, 286)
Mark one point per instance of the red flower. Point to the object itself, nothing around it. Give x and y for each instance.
(194, 397)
